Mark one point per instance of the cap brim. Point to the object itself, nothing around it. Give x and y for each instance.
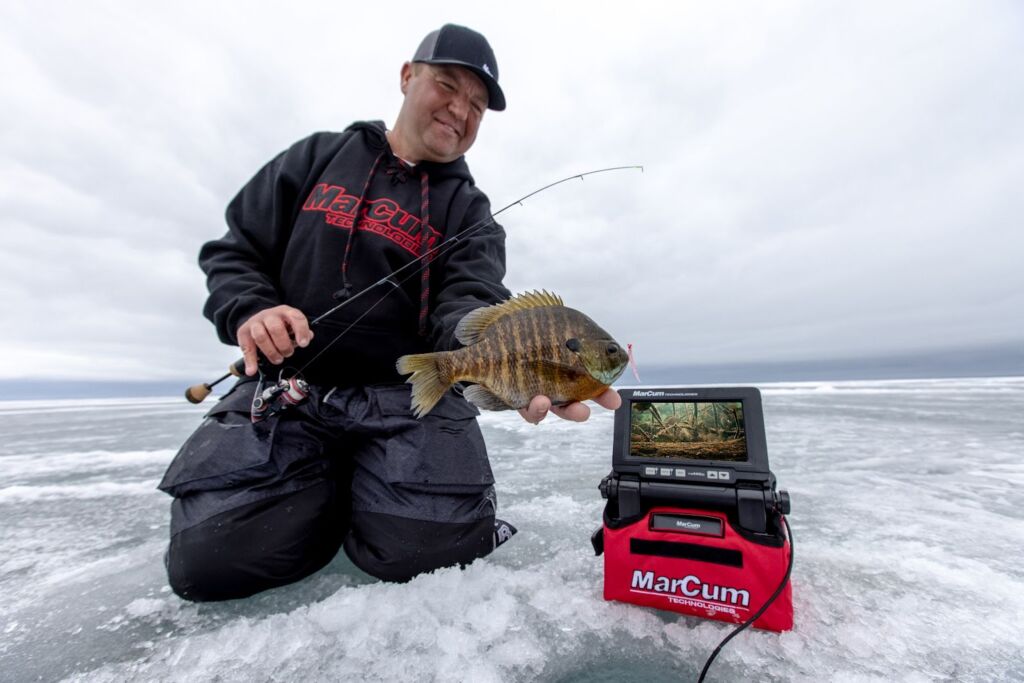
(495, 96)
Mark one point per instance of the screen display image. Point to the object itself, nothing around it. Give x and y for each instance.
(688, 430)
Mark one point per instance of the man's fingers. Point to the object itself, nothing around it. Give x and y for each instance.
(537, 410)
(576, 411)
(300, 327)
(610, 399)
(277, 328)
(248, 351)
(265, 343)
(274, 332)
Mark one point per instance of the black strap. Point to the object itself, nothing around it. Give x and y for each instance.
(686, 551)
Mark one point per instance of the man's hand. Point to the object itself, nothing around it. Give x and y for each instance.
(275, 332)
(577, 412)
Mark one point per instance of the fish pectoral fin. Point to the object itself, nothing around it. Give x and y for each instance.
(473, 324)
(483, 398)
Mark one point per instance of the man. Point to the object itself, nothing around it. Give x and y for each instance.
(266, 504)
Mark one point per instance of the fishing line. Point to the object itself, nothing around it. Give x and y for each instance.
(764, 607)
(444, 247)
(455, 239)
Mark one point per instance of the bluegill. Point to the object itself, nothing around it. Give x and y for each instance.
(531, 344)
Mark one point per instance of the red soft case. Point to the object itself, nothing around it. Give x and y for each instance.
(697, 574)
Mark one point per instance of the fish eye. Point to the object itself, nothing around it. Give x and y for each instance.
(613, 349)
(573, 344)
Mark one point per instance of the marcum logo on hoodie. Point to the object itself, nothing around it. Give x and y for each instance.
(382, 216)
(689, 589)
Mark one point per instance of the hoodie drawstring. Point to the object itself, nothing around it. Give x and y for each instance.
(346, 288)
(397, 175)
(424, 246)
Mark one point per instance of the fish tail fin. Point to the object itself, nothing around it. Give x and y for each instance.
(428, 382)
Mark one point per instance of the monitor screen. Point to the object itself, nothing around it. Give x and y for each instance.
(680, 431)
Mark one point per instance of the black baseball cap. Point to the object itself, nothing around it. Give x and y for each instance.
(461, 46)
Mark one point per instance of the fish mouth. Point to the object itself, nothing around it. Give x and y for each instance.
(608, 376)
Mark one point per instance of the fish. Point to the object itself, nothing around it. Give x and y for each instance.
(529, 345)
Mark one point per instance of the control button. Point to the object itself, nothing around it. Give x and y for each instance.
(666, 471)
(723, 475)
(680, 472)
(712, 474)
(651, 471)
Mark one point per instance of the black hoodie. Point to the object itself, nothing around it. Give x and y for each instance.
(289, 241)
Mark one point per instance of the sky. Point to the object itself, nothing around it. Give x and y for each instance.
(821, 179)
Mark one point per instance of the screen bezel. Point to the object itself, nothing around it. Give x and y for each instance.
(753, 417)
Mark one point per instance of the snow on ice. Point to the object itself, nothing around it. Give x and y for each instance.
(907, 523)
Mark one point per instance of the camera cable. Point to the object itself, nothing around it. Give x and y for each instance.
(764, 607)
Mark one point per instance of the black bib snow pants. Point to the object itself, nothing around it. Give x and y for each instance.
(263, 505)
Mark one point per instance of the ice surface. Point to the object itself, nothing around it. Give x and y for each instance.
(908, 521)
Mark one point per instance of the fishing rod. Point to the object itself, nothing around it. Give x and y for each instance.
(198, 392)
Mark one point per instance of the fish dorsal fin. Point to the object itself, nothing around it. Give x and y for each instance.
(473, 325)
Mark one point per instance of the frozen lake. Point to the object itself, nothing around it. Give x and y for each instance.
(908, 525)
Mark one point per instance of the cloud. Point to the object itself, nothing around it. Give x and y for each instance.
(821, 179)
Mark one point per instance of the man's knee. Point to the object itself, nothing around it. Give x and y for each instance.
(197, 569)
(255, 547)
(394, 548)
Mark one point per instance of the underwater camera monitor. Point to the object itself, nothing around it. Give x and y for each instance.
(700, 446)
(697, 436)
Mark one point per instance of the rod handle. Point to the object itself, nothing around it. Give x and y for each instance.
(197, 392)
